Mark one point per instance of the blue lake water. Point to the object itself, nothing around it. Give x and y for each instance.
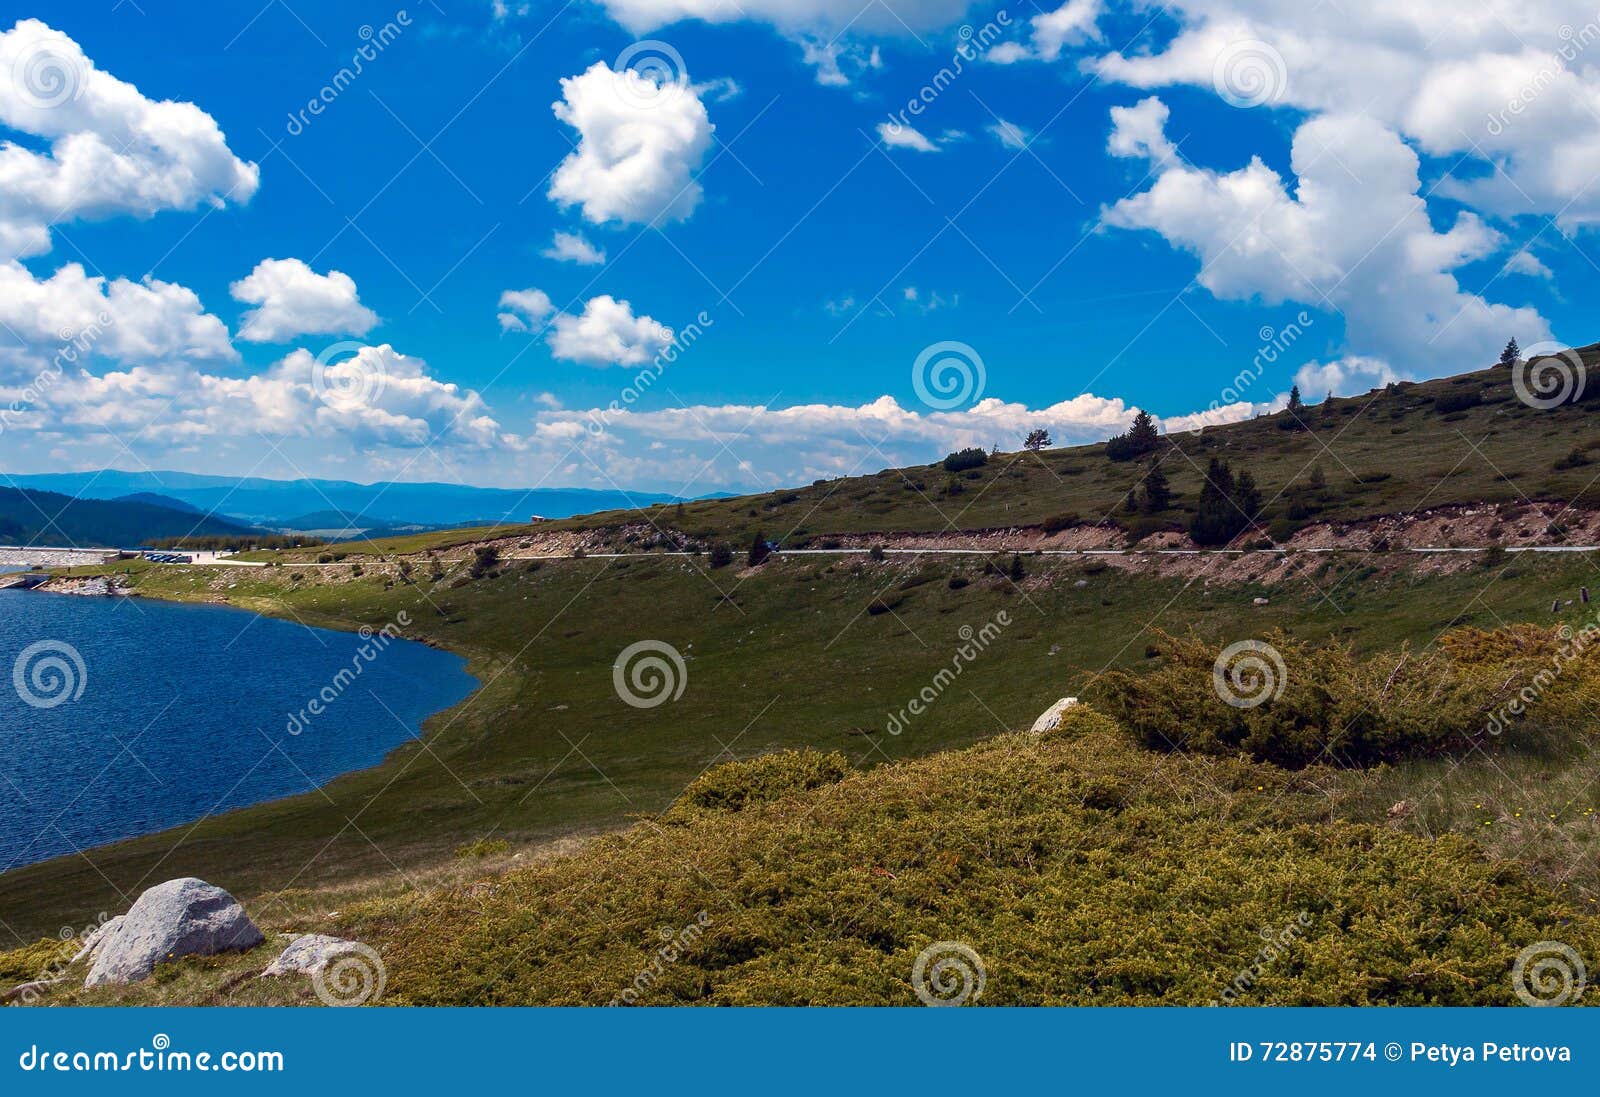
(121, 716)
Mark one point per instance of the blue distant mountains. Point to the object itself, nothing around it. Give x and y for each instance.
(279, 504)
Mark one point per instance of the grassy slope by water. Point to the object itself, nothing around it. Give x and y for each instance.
(787, 657)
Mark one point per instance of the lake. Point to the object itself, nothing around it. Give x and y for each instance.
(121, 716)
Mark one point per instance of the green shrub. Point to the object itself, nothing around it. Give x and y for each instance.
(735, 786)
(965, 459)
(1082, 871)
(1058, 522)
(1296, 704)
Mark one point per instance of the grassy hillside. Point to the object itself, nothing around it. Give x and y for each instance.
(1465, 439)
(798, 654)
(1073, 869)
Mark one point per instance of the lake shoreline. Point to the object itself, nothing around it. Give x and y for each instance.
(421, 727)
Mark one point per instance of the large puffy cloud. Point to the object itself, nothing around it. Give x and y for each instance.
(638, 143)
(1366, 249)
(111, 150)
(117, 319)
(294, 300)
(1510, 81)
(607, 333)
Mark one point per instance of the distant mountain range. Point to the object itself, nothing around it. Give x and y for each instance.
(279, 504)
(49, 518)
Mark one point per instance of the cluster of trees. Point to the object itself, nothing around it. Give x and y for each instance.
(1229, 504)
(965, 459)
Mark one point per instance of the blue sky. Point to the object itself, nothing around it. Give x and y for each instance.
(1102, 206)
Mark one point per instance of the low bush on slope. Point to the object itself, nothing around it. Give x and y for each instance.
(1077, 868)
(1295, 703)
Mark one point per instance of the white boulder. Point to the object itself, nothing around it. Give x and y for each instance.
(1052, 715)
(186, 917)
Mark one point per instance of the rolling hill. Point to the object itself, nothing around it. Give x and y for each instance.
(49, 518)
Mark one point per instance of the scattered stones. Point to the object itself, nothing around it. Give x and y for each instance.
(185, 917)
(1051, 720)
(1402, 810)
(1263, 602)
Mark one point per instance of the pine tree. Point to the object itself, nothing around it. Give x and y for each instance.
(1227, 505)
(1511, 355)
(1037, 439)
(1157, 493)
(1017, 572)
(1246, 498)
(1143, 433)
(1295, 419)
(758, 550)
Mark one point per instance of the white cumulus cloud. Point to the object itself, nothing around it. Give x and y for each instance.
(639, 142)
(574, 247)
(607, 333)
(293, 300)
(1354, 236)
(110, 151)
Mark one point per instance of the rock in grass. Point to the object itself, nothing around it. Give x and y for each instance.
(186, 917)
(97, 938)
(310, 954)
(1051, 720)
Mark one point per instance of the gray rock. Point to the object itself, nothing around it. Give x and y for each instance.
(1052, 715)
(310, 955)
(179, 918)
(97, 938)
